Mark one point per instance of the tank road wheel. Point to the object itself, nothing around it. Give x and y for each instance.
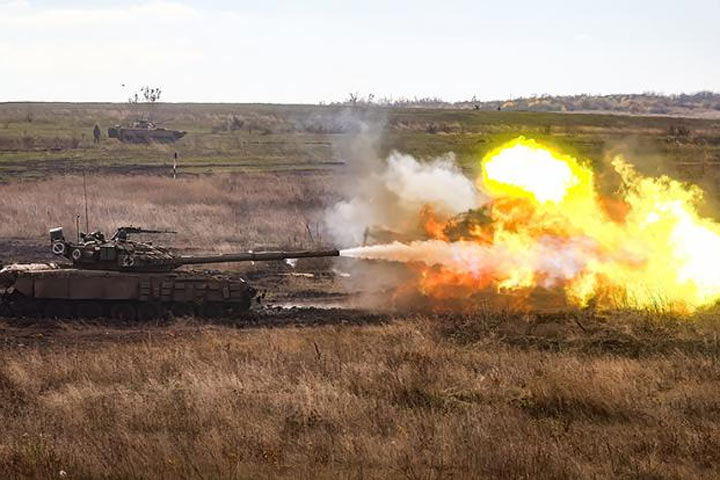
(89, 310)
(211, 310)
(58, 248)
(5, 310)
(240, 308)
(179, 310)
(23, 306)
(244, 306)
(124, 312)
(58, 309)
(149, 311)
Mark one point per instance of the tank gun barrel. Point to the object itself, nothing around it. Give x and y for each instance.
(123, 232)
(132, 229)
(254, 256)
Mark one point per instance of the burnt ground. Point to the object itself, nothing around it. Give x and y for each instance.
(21, 333)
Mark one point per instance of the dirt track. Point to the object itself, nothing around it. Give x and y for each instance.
(70, 166)
(19, 333)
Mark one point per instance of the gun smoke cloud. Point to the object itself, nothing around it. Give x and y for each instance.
(389, 199)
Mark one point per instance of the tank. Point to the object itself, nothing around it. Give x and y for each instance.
(144, 131)
(127, 280)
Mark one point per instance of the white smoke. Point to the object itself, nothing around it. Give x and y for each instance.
(390, 198)
(553, 259)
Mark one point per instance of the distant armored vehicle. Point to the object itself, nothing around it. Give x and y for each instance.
(125, 280)
(469, 224)
(144, 131)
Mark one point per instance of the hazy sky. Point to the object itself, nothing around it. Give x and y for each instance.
(320, 50)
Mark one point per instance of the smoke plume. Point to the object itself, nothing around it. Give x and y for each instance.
(390, 198)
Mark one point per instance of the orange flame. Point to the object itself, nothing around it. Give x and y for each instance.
(433, 225)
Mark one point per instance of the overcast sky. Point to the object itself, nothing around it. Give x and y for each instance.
(320, 50)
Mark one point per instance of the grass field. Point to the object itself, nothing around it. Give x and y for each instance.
(362, 392)
(481, 396)
(41, 139)
(215, 212)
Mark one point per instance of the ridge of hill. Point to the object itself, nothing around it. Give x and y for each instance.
(699, 104)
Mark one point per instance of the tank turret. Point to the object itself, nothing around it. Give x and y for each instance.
(144, 131)
(119, 253)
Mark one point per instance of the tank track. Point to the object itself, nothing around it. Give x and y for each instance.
(15, 305)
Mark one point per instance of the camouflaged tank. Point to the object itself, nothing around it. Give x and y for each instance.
(144, 131)
(127, 280)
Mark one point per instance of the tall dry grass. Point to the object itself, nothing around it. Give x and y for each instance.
(418, 398)
(216, 212)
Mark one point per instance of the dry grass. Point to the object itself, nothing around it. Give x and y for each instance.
(416, 398)
(211, 212)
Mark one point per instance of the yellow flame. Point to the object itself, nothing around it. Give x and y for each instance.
(662, 252)
(524, 168)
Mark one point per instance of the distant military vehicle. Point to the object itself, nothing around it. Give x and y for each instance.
(125, 280)
(465, 225)
(144, 131)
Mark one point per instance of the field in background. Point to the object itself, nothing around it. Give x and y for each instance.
(37, 140)
(490, 393)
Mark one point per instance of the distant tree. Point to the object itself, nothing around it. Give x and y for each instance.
(151, 95)
(148, 95)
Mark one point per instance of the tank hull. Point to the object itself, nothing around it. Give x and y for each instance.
(68, 292)
(142, 135)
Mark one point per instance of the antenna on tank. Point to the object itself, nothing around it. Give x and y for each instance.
(87, 221)
(77, 227)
